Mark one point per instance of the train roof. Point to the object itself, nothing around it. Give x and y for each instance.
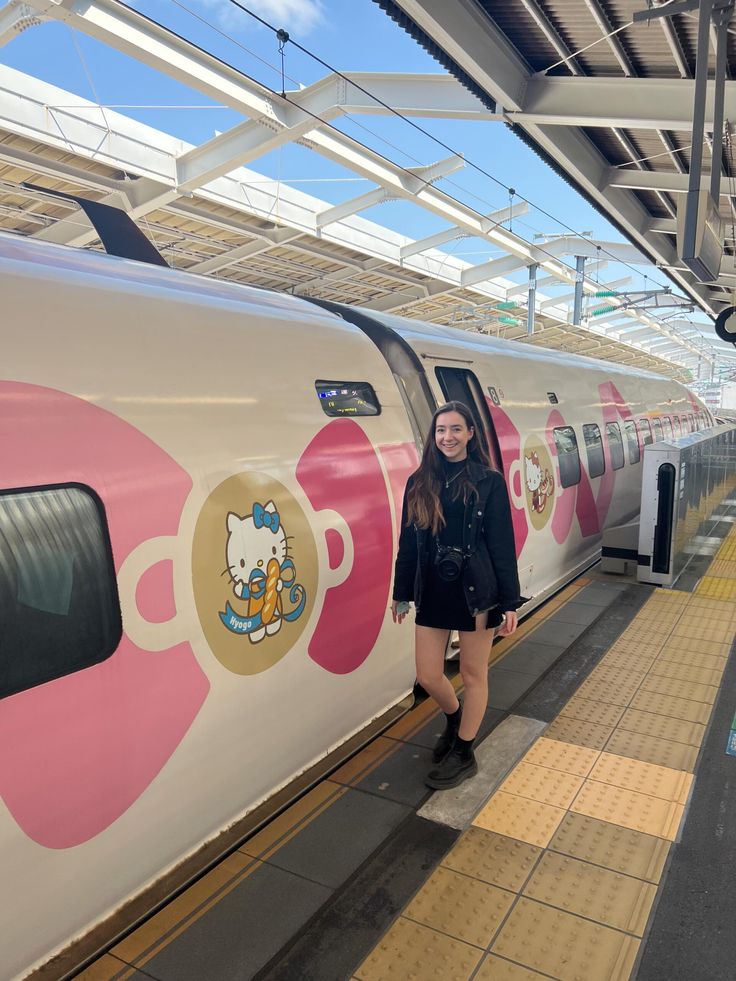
(98, 267)
(416, 331)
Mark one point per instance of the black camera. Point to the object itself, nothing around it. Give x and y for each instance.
(449, 562)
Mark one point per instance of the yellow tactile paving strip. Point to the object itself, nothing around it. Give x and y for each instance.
(559, 873)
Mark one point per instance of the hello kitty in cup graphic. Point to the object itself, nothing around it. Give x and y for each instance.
(262, 573)
(539, 482)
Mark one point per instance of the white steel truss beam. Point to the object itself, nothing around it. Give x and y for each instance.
(414, 182)
(450, 234)
(15, 18)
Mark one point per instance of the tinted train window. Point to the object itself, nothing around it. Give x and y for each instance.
(615, 445)
(59, 609)
(667, 426)
(343, 398)
(657, 430)
(567, 456)
(633, 441)
(676, 426)
(691, 420)
(646, 431)
(594, 449)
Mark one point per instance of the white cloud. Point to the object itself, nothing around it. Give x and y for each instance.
(298, 17)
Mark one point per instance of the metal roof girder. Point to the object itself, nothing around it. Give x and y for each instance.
(455, 232)
(411, 94)
(15, 18)
(661, 103)
(613, 41)
(462, 30)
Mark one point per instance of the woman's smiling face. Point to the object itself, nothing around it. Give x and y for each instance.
(452, 435)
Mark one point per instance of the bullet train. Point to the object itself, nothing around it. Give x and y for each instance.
(200, 495)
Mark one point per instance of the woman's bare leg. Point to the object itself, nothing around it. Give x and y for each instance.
(474, 650)
(431, 645)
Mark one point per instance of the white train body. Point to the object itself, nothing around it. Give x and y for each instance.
(252, 539)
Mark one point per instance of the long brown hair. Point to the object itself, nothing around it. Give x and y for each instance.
(423, 502)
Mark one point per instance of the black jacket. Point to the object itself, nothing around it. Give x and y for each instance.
(489, 577)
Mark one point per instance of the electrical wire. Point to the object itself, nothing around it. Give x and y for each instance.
(424, 132)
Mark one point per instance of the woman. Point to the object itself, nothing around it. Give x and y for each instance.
(457, 562)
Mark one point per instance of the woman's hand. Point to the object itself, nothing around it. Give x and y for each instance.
(510, 624)
(399, 610)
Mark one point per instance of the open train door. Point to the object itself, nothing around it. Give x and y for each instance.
(461, 385)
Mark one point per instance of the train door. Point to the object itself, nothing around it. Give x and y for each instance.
(461, 385)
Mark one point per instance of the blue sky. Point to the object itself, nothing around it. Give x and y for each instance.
(351, 35)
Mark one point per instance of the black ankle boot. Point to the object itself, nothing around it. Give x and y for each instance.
(447, 740)
(458, 765)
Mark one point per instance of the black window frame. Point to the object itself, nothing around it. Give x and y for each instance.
(322, 398)
(568, 431)
(632, 444)
(615, 446)
(600, 468)
(109, 562)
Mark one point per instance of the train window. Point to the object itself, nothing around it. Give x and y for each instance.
(676, 426)
(667, 426)
(594, 449)
(615, 445)
(567, 456)
(344, 398)
(632, 440)
(646, 431)
(59, 608)
(657, 430)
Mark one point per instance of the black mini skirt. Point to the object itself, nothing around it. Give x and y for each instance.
(444, 606)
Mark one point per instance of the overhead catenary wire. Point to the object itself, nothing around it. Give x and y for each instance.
(449, 149)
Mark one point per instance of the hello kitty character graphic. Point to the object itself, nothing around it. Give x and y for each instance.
(262, 574)
(539, 482)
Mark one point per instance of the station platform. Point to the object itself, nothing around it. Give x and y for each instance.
(596, 843)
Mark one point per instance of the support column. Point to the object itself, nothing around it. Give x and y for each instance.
(579, 280)
(532, 297)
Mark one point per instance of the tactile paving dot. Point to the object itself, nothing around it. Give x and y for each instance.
(518, 817)
(646, 650)
(645, 778)
(680, 689)
(565, 946)
(599, 894)
(613, 847)
(412, 951)
(497, 969)
(723, 568)
(630, 809)
(715, 609)
(493, 858)
(691, 645)
(700, 628)
(628, 660)
(602, 690)
(676, 708)
(463, 907)
(652, 749)
(588, 710)
(539, 783)
(588, 734)
(717, 588)
(687, 672)
(562, 756)
(663, 726)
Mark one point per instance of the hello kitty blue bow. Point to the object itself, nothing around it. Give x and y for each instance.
(266, 519)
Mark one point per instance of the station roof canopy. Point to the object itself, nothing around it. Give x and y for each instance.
(605, 99)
